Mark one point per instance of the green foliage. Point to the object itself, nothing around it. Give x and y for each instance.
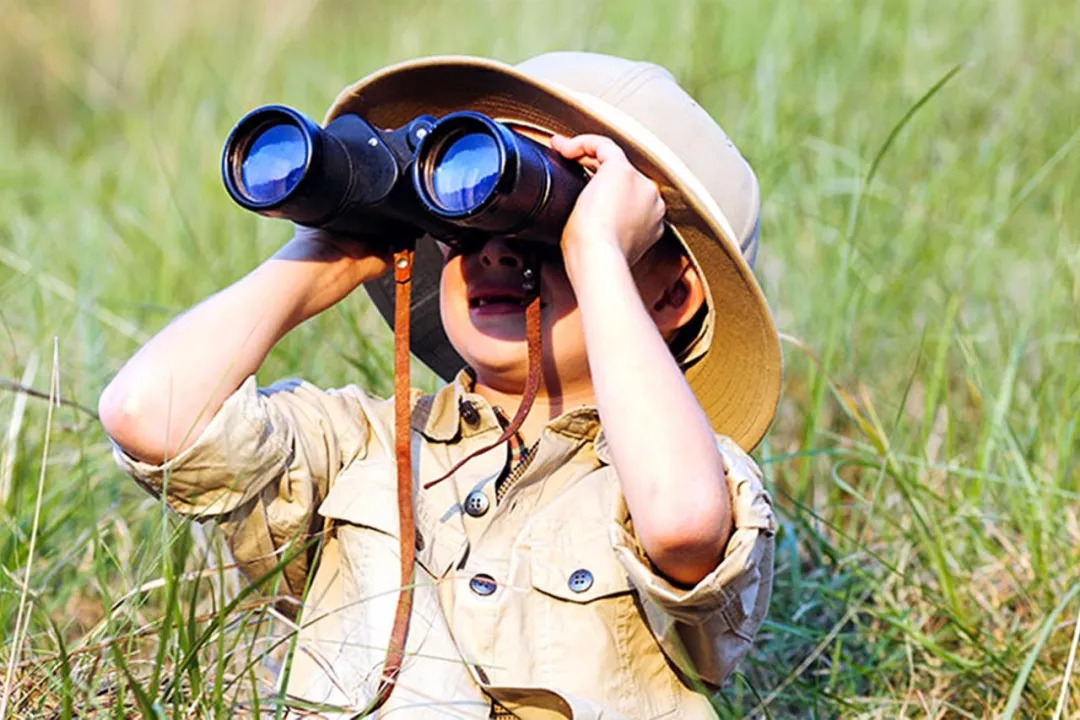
(918, 162)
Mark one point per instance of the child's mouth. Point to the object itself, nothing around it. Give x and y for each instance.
(497, 304)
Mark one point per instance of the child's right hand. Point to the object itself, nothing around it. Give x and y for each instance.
(331, 265)
(325, 245)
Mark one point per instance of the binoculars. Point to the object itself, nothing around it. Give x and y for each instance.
(459, 178)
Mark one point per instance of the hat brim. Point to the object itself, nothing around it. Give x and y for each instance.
(737, 380)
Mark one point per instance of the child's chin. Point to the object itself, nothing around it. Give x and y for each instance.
(492, 356)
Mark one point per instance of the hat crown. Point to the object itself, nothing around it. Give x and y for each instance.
(650, 95)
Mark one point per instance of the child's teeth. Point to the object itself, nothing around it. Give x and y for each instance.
(481, 302)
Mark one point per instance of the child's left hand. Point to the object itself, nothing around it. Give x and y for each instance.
(619, 205)
(663, 450)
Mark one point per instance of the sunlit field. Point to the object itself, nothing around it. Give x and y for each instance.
(920, 176)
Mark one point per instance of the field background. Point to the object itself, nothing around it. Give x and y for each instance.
(920, 173)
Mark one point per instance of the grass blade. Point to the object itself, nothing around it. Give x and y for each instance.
(1025, 670)
(22, 619)
(1063, 698)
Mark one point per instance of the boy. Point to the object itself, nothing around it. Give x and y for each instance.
(575, 571)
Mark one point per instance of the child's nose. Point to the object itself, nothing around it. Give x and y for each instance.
(496, 251)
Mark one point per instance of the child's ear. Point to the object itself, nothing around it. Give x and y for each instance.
(680, 300)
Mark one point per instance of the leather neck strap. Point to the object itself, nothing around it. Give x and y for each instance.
(403, 262)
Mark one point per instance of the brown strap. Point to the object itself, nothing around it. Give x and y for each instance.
(395, 653)
(403, 262)
(532, 384)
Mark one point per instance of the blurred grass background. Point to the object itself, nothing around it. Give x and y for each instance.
(924, 267)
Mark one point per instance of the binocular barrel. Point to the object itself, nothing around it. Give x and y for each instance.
(458, 178)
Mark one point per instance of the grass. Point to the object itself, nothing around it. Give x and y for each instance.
(919, 163)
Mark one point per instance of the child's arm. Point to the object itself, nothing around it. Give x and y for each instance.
(166, 394)
(662, 445)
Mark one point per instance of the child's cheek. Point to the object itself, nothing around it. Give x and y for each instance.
(452, 289)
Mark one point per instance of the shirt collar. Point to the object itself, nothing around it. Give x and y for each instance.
(438, 417)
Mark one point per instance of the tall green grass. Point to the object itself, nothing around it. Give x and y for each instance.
(919, 165)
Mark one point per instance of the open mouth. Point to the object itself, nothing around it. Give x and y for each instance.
(498, 300)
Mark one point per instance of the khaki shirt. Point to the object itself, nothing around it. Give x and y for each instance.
(544, 601)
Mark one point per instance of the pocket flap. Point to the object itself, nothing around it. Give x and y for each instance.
(365, 495)
(577, 564)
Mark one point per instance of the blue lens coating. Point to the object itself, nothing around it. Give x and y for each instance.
(274, 163)
(465, 172)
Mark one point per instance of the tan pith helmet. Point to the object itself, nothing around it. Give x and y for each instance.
(710, 191)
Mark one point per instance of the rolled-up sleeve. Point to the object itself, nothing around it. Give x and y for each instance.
(708, 628)
(261, 467)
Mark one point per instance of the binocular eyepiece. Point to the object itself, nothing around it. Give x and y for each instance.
(458, 178)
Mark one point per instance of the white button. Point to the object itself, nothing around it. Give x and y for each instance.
(580, 580)
(477, 503)
(482, 584)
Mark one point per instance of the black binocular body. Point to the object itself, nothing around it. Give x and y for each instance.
(459, 178)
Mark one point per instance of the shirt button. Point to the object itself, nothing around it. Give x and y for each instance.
(469, 413)
(580, 580)
(482, 584)
(477, 503)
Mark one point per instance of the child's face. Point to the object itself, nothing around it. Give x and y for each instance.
(483, 313)
(481, 300)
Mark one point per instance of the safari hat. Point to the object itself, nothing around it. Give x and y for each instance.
(712, 198)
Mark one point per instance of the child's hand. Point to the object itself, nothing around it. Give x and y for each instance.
(662, 447)
(619, 205)
(310, 243)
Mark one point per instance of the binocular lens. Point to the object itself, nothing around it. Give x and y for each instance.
(465, 172)
(456, 178)
(479, 176)
(273, 164)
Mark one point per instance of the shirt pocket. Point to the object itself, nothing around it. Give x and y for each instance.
(363, 505)
(576, 565)
(587, 624)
